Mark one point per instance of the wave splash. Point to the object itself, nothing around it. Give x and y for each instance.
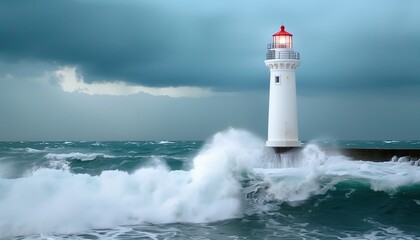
(51, 200)
(316, 173)
(233, 174)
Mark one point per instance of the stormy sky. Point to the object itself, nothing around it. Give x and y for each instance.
(183, 70)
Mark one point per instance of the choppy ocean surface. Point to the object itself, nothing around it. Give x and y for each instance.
(229, 187)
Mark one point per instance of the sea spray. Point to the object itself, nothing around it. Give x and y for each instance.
(293, 179)
(315, 173)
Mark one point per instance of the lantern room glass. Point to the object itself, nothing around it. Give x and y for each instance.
(283, 41)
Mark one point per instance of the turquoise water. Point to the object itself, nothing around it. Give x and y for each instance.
(229, 187)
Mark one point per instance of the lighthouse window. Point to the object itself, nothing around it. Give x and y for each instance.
(277, 79)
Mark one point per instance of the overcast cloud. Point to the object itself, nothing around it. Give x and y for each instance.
(219, 45)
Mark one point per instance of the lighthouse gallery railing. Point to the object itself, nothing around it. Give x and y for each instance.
(272, 54)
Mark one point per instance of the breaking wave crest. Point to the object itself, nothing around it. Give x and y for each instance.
(232, 175)
(76, 156)
(28, 150)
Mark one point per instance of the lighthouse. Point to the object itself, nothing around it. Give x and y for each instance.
(282, 61)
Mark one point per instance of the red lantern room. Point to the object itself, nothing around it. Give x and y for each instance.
(282, 39)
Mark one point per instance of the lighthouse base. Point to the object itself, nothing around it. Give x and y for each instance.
(362, 154)
(283, 144)
(286, 149)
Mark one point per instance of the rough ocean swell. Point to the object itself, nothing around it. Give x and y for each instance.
(230, 187)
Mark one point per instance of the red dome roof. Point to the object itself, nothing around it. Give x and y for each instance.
(282, 32)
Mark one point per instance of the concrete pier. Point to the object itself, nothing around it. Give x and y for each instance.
(366, 154)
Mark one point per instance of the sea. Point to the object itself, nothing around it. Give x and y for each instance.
(228, 187)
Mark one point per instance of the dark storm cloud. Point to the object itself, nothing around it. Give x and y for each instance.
(219, 45)
(131, 41)
(362, 46)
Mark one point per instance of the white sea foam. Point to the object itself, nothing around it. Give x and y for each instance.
(32, 150)
(381, 232)
(28, 150)
(409, 160)
(98, 144)
(165, 142)
(76, 155)
(59, 165)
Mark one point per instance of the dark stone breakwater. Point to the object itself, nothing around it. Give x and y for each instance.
(367, 154)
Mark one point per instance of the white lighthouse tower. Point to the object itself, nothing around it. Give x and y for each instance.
(282, 113)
